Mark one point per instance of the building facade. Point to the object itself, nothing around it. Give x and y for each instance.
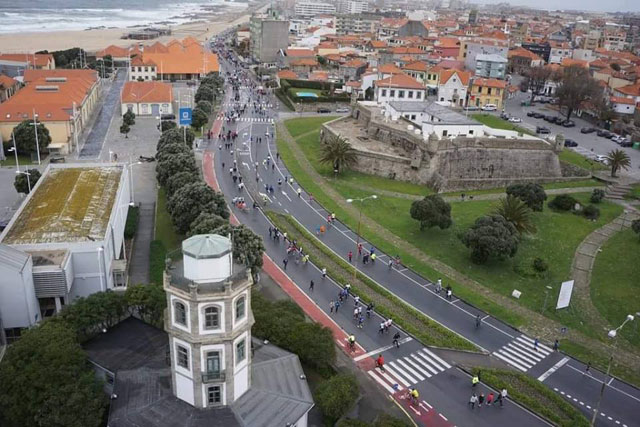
(491, 66)
(452, 88)
(309, 9)
(352, 6)
(356, 23)
(269, 35)
(487, 91)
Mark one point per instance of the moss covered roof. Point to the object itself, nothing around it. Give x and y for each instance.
(69, 205)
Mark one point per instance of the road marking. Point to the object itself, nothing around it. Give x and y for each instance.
(286, 195)
(427, 403)
(414, 365)
(402, 371)
(430, 353)
(381, 349)
(246, 165)
(455, 300)
(379, 381)
(286, 210)
(610, 381)
(485, 317)
(443, 417)
(600, 381)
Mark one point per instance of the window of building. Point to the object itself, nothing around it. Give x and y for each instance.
(180, 313)
(182, 357)
(214, 394)
(213, 362)
(445, 132)
(489, 91)
(240, 308)
(498, 92)
(410, 94)
(392, 93)
(211, 318)
(418, 95)
(400, 94)
(140, 69)
(146, 69)
(384, 92)
(240, 351)
(471, 132)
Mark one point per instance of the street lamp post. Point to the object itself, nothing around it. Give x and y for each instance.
(15, 151)
(28, 179)
(612, 334)
(35, 129)
(361, 200)
(546, 296)
(130, 166)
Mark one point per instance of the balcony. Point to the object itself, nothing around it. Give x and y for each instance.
(210, 377)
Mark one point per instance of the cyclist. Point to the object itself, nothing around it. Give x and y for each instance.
(478, 321)
(352, 342)
(380, 363)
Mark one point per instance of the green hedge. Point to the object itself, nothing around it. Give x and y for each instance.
(429, 332)
(157, 258)
(131, 226)
(534, 395)
(337, 395)
(282, 96)
(304, 84)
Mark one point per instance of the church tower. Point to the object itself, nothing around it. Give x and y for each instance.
(209, 322)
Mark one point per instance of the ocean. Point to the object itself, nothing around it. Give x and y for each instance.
(59, 15)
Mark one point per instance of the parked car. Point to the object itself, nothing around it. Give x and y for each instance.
(602, 159)
(538, 116)
(550, 119)
(343, 110)
(531, 113)
(603, 133)
(542, 129)
(587, 130)
(626, 143)
(570, 143)
(515, 119)
(568, 123)
(489, 107)
(323, 110)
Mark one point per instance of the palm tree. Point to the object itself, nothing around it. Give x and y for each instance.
(339, 153)
(618, 159)
(517, 213)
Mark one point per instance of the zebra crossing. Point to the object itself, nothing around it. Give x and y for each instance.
(251, 119)
(406, 371)
(239, 104)
(521, 354)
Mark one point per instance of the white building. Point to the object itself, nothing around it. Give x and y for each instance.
(142, 69)
(452, 88)
(558, 53)
(65, 241)
(399, 87)
(309, 9)
(148, 98)
(352, 6)
(433, 118)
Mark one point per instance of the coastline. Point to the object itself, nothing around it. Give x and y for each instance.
(95, 39)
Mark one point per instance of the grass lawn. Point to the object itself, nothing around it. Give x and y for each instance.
(302, 125)
(569, 156)
(549, 186)
(498, 123)
(11, 160)
(164, 227)
(634, 193)
(615, 289)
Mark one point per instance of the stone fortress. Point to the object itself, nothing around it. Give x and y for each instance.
(426, 143)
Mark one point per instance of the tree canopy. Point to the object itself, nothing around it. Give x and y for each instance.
(248, 247)
(129, 118)
(337, 395)
(491, 236)
(181, 162)
(576, 86)
(199, 118)
(431, 211)
(618, 159)
(536, 78)
(531, 194)
(206, 223)
(26, 137)
(179, 180)
(339, 153)
(190, 201)
(169, 150)
(517, 213)
(204, 93)
(204, 106)
(22, 181)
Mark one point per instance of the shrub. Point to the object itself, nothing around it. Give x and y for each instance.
(337, 395)
(591, 212)
(635, 226)
(563, 202)
(431, 211)
(205, 106)
(131, 225)
(167, 125)
(540, 265)
(157, 257)
(491, 236)
(597, 195)
(530, 193)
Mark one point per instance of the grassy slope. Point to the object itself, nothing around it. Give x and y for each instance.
(164, 227)
(570, 156)
(498, 123)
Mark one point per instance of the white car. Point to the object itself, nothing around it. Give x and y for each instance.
(515, 119)
(602, 159)
(343, 110)
(490, 107)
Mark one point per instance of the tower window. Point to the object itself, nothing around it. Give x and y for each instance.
(240, 352)
(211, 318)
(182, 357)
(180, 313)
(240, 308)
(214, 394)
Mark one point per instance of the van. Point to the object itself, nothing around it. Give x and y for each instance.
(490, 107)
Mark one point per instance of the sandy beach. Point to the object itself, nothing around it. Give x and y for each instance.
(93, 40)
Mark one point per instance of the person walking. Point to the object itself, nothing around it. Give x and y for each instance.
(502, 397)
(331, 305)
(480, 399)
(285, 262)
(587, 369)
(337, 306)
(535, 344)
(360, 320)
(355, 313)
(369, 309)
(380, 363)
(356, 300)
(382, 325)
(350, 256)
(449, 292)
(478, 321)
(490, 397)
(556, 345)
(324, 273)
(299, 192)
(388, 325)
(438, 286)
(474, 381)
(396, 338)
(359, 249)
(311, 286)
(473, 400)
(373, 258)
(390, 265)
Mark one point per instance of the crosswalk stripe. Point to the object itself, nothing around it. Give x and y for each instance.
(430, 353)
(537, 357)
(404, 376)
(518, 357)
(509, 361)
(391, 380)
(419, 368)
(431, 362)
(379, 381)
(541, 347)
(423, 363)
(399, 378)
(410, 369)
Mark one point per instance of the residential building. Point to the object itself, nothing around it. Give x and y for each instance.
(629, 91)
(352, 70)
(487, 91)
(491, 66)
(584, 55)
(8, 87)
(287, 56)
(356, 23)
(62, 100)
(184, 59)
(304, 66)
(470, 49)
(399, 87)
(559, 51)
(309, 9)
(543, 50)
(418, 70)
(269, 35)
(593, 40)
(433, 118)
(352, 6)
(521, 59)
(447, 47)
(147, 98)
(65, 241)
(119, 55)
(452, 88)
(15, 64)
(623, 105)
(143, 69)
(615, 41)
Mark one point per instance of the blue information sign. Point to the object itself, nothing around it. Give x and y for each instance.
(185, 116)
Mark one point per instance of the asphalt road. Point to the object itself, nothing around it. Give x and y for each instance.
(620, 404)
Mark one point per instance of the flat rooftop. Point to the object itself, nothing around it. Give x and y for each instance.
(70, 204)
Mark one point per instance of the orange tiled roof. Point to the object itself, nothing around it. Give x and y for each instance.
(319, 76)
(393, 22)
(389, 69)
(7, 82)
(445, 42)
(287, 74)
(500, 84)
(40, 59)
(621, 100)
(399, 80)
(568, 62)
(297, 53)
(55, 103)
(148, 91)
(401, 50)
(416, 66)
(182, 57)
(464, 76)
(632, 90)
(113, 51)
(354, 63)
(138, 61)
(378, 43)
(304, 62)
(524, 53)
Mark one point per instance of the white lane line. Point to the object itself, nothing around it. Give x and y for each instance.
(286, 210)
(391, 368)
(419, 369)
(286, 195)
(443, 417)
(428, 361)
(518, 356)
(455, 300)
(396, 365)
(379, 381)
(527, 350)
(541, 347)
(436, 357)
(485, 317)
(510, 362)
(610, 381)
(600, 381)
(427, 403)
(553, 369)
(380, 350)
(423, 364)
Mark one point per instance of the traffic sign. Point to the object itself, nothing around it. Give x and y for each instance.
(185, 116)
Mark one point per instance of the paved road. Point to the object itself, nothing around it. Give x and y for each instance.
(139, 267)
(588, 144)
(621, 402)
(93, 144)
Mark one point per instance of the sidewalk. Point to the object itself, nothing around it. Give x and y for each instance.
(139, 268)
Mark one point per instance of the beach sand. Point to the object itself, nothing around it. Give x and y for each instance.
(94, 40)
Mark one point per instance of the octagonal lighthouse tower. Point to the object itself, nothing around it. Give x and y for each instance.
(208, 322)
